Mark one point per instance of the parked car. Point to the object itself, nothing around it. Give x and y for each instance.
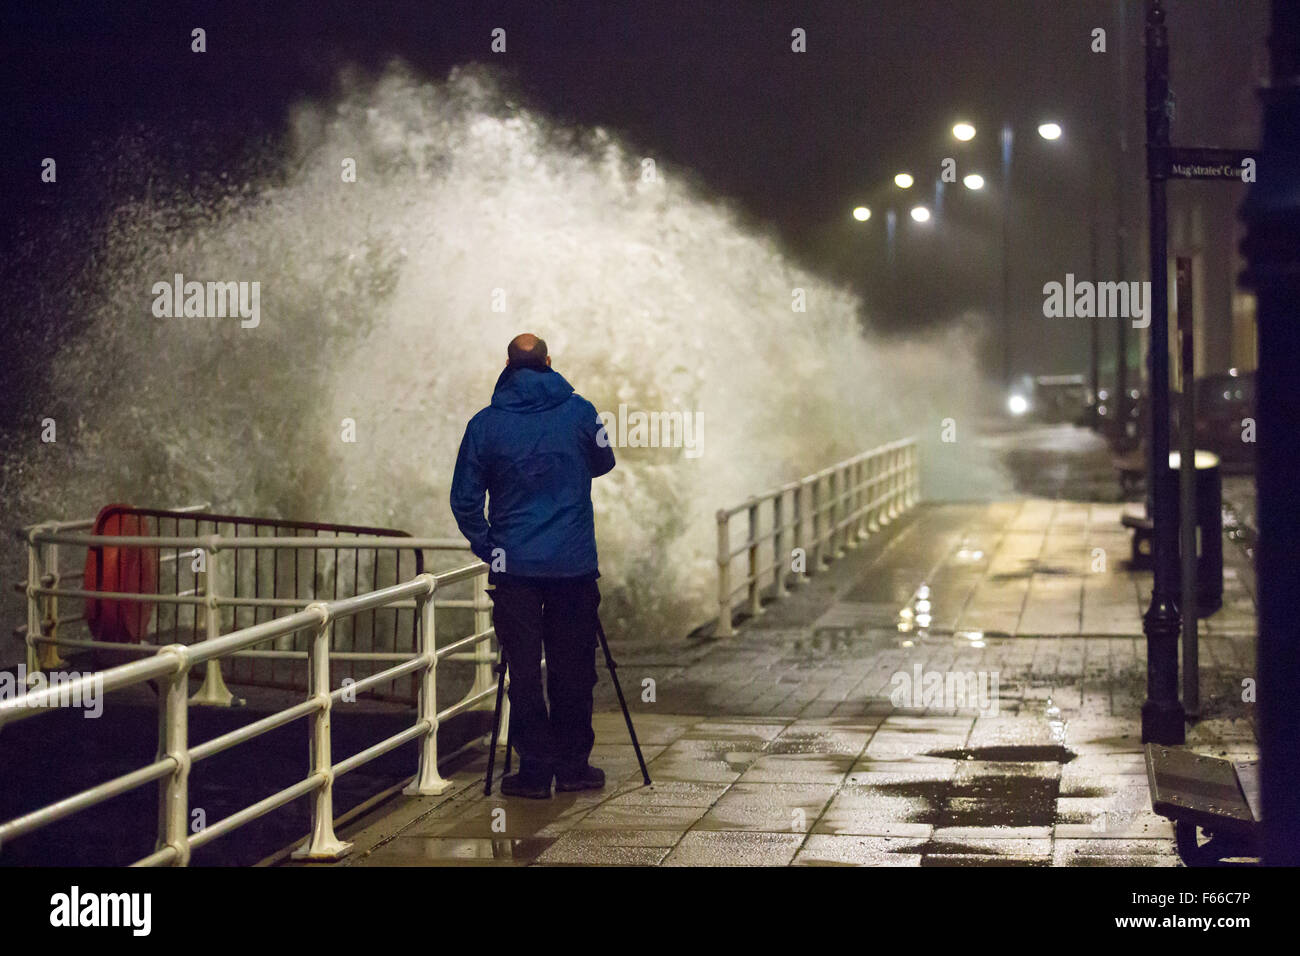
(1121, 434)
(1061, 398)
(1223, 405)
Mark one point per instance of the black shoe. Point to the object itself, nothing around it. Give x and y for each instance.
(588, 778)
(517, 785)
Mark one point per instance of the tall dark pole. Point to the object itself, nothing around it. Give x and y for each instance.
(1094, 324)
(1272, 248)
(1008, 138)
(1162, 713)
(1121, 223)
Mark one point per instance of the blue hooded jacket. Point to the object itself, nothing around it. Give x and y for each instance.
(533, 451)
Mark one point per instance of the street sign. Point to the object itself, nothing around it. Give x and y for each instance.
(1225, 165)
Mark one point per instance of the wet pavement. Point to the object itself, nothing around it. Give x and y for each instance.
(883, 790)
(961, 689)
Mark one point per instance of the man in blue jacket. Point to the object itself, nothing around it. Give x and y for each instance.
(533, 452)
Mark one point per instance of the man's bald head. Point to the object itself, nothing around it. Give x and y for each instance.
(527, 351)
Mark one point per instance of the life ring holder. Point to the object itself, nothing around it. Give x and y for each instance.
(124, 570)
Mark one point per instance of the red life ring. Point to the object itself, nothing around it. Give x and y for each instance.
(125, 570)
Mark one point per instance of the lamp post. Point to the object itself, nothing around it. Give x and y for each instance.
(1049, 131)
(1162, 712)
(1121, 398)
(1008, 139)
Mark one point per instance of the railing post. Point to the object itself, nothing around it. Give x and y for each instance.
(842, 502)
(723, 628)
(53, 659)
(848, 537)
(902, 479)
(31, 646)
(322, 844)
(914, 474)
(428, 782)
(815, 552)
(42, 610)
(832, 509)
(860, 498)
(882, 487)
(213, 692)
(174, 744)
(887, 482)
(901, 495)
(900, 490)
(483, 656)
(796, 530)
(755, 603)
(779, 556)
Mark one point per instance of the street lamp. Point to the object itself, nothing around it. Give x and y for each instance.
(920, 214)
(1048, 131)
(862, 214)
(973, 181)
(904, 180)
(964, 132)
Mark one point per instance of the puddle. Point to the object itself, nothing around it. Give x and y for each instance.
(1013, 796)
(940, 846)
(1013, 753)
(1012, 801)
(982, 860)
(450, 850)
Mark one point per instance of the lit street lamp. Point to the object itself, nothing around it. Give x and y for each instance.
(904, 180)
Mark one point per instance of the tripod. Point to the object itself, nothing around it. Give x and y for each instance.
(500, 670)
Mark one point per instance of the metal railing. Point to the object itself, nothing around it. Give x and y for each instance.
(821, 515)
(214, 572)
(171, 666)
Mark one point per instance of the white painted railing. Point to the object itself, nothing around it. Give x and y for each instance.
(209, 592)
(171, 665)
(822, 515)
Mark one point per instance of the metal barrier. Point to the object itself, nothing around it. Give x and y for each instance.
(828, 512)
(213, 576)
(171, 665)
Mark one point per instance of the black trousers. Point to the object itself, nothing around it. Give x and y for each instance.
(558, 614)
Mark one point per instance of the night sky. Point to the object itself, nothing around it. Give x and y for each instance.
(793, 141)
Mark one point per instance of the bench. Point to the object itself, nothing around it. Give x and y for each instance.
(1131, 467)
(1211, 794)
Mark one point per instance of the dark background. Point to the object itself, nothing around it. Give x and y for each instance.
(794, 141)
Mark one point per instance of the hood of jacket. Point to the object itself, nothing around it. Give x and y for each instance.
(530, 390)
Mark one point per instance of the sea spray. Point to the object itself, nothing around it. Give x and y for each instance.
(387, 299)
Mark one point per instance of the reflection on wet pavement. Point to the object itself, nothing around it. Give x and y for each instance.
(903, 789)
(828, 743)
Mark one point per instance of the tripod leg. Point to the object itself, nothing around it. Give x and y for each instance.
(509, 739)
(609, 662)
(496, 728)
